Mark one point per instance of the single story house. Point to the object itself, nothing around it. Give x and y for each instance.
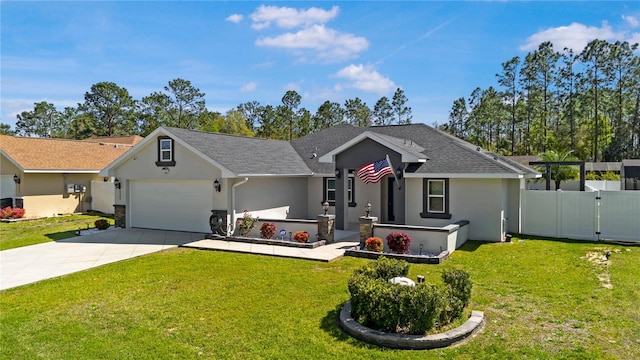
(174, 178)
(48, 176)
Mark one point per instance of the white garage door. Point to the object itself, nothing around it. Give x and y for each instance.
(171, 205)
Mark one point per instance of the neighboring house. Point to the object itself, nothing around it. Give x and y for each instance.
(630, 174)
(53, 176)
(174, 178)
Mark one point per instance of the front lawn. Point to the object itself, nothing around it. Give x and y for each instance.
(542, 300)
(30, 232)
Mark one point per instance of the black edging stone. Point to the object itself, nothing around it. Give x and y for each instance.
(310, 245)
(410, 258)
(409, 342)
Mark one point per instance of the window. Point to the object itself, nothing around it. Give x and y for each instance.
(165, 152)
(436, 199)
(329, 189)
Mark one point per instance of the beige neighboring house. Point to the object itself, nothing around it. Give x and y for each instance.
(48, 177)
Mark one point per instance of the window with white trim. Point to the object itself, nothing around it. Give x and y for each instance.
(435, 196)
(329, 189)
(165, 151)
(436, 199)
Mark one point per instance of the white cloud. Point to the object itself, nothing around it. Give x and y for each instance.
(330, 45)
(575, 36)
(249, 87)
(288, 18)
(635, 39)
(631, 20)
(235, 18)
(292, 86)
(366, 78)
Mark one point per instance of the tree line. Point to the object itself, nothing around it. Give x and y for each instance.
(109, 110)
(585, 103)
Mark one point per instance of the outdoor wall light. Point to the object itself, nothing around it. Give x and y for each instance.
(337, 173)
(217, 186)
(399, 173)
(165, 170)
(116, 183)
(325, 206)
(16, 179)
(367, 208)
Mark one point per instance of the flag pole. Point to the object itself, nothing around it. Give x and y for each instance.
(393, 170)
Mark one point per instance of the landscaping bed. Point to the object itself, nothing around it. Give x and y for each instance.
(411, 258)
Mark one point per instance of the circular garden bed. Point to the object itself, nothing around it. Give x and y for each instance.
(386, 311)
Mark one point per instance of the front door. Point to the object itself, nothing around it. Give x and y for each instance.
(391, 217)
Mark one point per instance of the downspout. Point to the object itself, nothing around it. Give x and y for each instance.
(232, 226)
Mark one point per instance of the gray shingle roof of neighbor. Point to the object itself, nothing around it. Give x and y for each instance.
(446, 154)
(245, 155)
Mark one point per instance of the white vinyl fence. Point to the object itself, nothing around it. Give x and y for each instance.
(102, 196)
(599, 215)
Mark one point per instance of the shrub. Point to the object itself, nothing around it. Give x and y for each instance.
(301, 236)
(404, 309)
(373, 244)
(458, 292)
(267, 230)
(384, 268)
(399, 242)
(101, 224)
(392, 308)
(246, 223)
(12, 213)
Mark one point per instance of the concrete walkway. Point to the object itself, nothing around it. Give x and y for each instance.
(34, 263)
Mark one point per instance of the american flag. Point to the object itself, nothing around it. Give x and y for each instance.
(372, 173)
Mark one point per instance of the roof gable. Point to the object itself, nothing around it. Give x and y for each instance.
(409, 151)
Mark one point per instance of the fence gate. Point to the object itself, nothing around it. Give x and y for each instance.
(600, 215)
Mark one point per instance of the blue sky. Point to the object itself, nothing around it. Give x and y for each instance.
(243, 51)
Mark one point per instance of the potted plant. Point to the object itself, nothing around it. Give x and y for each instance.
(246, 223)
(267, 230)
(301, 236)
(373, 244)
(101, 224)
(399, 242)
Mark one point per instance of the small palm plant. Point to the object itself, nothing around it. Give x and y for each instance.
(558, 172)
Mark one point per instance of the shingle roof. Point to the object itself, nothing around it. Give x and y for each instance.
(120, 140)
(245, 155)
(59, 154)
(447, 154)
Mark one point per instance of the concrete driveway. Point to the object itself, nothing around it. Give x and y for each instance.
(34, 263)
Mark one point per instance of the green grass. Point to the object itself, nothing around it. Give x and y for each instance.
(542, 300)
(30, 232)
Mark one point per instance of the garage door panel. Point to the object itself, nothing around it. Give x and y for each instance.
(171, 205)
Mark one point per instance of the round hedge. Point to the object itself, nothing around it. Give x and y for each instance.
(377, 304)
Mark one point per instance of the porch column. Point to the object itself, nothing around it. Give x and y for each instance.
(342, 204)
(366, 228)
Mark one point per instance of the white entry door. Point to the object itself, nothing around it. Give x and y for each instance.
(171, 205)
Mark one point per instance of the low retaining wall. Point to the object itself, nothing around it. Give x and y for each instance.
(434, 240)
(289, 225)
(409, 342)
